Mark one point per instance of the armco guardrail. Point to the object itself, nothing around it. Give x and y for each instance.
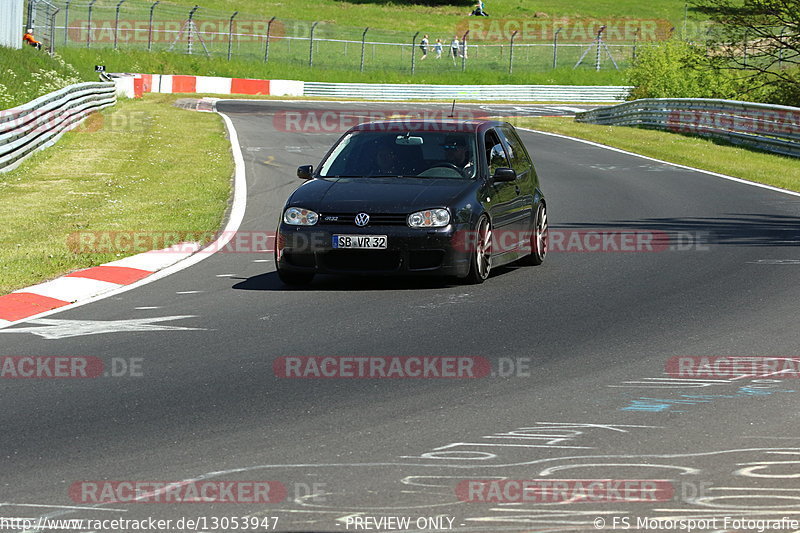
(39, 123)
(772, 128)
(376, 91)
(532, 93)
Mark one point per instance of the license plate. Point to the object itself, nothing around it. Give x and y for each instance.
(361, 242)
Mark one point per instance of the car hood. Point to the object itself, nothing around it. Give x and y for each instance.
(377, 195)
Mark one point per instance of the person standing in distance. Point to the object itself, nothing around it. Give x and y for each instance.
(438, 48)
(454, 46)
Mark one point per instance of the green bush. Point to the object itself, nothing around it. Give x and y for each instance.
(676, 69)
(786, 91)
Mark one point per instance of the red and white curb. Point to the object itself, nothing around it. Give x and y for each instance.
(89, 282)
(134, 85)
(92, 284)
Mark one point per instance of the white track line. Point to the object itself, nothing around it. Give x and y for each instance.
(710, 173)
(234, 221)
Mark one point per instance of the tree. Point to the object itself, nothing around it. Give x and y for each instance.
(759, 39)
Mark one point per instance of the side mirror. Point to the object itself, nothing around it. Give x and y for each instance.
(504, 174)
(304, 172)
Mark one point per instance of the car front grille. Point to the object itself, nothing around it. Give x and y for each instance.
(376, 260)
(375, 219)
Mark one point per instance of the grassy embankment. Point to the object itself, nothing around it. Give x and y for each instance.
(28, 73)
(427, 16)
(141, 165)
(337, 51)
(170, 63)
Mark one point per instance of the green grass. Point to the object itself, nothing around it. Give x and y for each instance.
(761, 167)
(337, 52)
(29, 73)
(142, 165)
(429, 71)
(432, 17)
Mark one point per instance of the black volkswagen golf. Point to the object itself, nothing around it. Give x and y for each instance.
(446, 198)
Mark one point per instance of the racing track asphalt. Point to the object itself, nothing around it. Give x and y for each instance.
(597, 329)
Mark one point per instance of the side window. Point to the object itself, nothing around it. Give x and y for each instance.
(495, 155)
(520, 161)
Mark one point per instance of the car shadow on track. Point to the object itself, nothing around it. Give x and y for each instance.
(269, 281)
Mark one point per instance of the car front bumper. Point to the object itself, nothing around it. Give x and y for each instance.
(436, 252)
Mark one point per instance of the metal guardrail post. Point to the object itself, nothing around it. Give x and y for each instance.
(66, 20)
(230, 34)
(311, 46)
(89, 24)
(464, 50)
(190, 26)
(52, 47)
(116, 22)
(635, 42)
(555, 47)
(511, 53)
(363, 43)
(150, 26)
(599, 45)
(413, 51)
(29, 17)
(266, 48)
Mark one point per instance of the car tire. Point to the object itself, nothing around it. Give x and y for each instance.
(539, 237)
(480, 265)
(295, 279)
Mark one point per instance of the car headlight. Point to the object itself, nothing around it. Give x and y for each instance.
(430, 218)
(297, 216)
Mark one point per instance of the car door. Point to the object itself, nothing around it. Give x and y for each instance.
(526, 177)
(503, 194)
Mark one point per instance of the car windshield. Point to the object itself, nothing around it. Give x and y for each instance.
(418, 154)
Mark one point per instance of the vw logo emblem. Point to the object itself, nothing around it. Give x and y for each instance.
(362, 219)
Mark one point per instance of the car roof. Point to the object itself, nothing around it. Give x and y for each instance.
(454, 125)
